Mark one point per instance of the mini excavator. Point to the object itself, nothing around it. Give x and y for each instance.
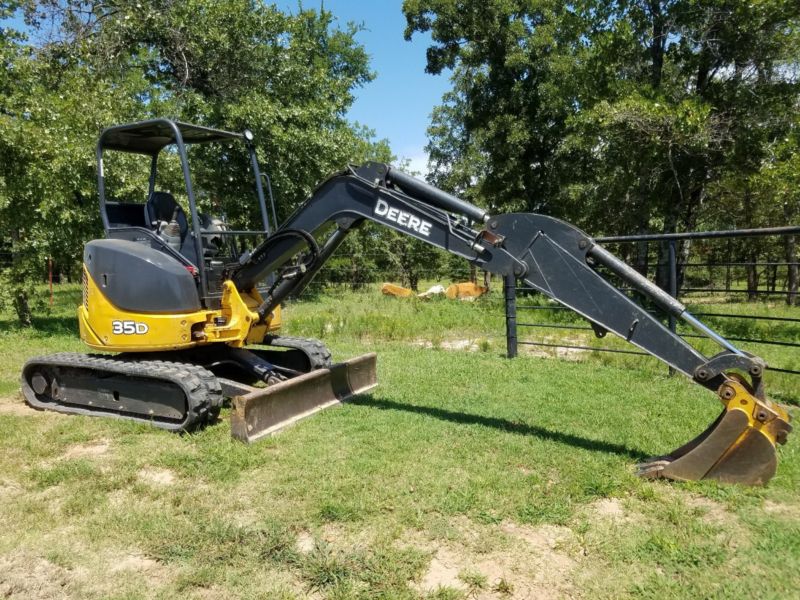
(190, 306)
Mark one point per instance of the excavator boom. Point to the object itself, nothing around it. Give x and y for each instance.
(564, 263)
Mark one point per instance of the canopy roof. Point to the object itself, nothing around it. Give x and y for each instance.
(149, 137)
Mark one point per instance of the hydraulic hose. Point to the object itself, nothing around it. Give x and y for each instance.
(284, 284)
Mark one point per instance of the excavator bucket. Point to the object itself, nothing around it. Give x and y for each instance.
(264, 411)
(738, 447)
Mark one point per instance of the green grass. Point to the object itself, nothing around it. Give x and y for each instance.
(513, 478)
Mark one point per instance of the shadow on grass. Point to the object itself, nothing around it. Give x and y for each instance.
(503, 425)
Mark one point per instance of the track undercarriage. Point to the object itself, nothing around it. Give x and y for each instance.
(270, 387)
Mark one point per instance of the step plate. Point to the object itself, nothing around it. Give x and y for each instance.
(266, 411)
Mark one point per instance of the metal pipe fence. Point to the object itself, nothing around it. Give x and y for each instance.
(672, 258)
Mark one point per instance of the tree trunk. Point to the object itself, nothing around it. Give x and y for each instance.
(670, 226)
(682, 258)
(751, 248)
(413, 280)
(790, 250)
(19, 293)
(752, 276)
(22, 308)
(641, 257)
(657, 44)
(728, 266)
(772, 276)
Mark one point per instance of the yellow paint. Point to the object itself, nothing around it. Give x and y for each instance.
(104, 326)
(744, 401)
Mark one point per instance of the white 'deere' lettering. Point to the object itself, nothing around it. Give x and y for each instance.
(402, 218)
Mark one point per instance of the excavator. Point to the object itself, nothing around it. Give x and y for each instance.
(186, 308)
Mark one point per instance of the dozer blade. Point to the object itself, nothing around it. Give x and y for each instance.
(738, 447)
(265, 411)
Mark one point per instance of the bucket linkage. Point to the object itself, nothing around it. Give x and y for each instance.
(738, 447)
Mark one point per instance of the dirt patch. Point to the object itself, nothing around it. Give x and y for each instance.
(548, 540)
(9, 488)
(17, 407)
(119, 498)
(158, 477)
(573, 354)
(535, 563)
(709, 510)
(138, 563)
(305, 542)
(89, 450)
(26, 576)
(608, 508)
(467, 345)
(782, 510)
(332, 533)
(443, 571)
(612, 510)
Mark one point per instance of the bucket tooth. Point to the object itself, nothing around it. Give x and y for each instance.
(738, 447)
(266, 411)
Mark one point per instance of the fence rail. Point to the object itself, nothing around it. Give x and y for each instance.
(674, 266)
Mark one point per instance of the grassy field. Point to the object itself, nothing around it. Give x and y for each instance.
(464, 475)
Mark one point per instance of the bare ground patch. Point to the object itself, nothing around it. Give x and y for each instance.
(467, 345)
(16, 406)
(613, 511)
(557, 351)
(138, 563)
(443, 571)
(157, 477)
(10, 488)
(533, 563)
(333, 533)
(88, 450)
(608, 508)
(304, 543)
(709, 510)
(23, 575)
(782, 510)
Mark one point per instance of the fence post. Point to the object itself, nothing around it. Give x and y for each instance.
(673, 287)
(510, 293)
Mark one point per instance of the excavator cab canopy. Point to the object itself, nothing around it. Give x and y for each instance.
(190, 240)
(150, 137)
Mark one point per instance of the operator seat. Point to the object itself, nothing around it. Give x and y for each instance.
(161, 207)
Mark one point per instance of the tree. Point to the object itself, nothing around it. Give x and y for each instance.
(620, 116)
(232, 64)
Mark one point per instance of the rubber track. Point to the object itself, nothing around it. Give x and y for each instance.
(319, 356)
(200, 386)
(210, 380)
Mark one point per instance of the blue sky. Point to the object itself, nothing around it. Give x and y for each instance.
(397, 104)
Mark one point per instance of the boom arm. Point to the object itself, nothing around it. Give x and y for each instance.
(560, 261)
(547, 254)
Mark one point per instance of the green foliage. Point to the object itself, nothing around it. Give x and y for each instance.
(233, 64)
(624, 117)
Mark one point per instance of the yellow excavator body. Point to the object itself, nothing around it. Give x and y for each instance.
(104, 326)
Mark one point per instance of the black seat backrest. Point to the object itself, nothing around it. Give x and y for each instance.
(125, 214)
(161, 207)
